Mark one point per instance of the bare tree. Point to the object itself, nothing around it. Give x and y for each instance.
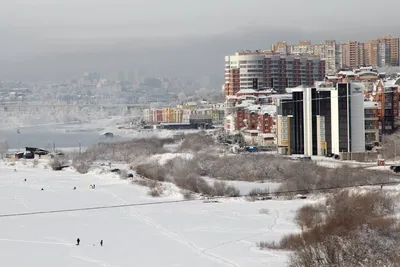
(3, 148)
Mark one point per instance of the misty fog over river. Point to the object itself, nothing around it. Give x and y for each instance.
(63, 135)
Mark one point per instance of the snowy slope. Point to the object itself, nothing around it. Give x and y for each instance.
(180, 234)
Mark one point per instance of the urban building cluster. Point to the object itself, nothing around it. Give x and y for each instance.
(187, 115)
(301, 110)
(382, 52)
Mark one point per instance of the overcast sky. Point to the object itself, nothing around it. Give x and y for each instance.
(101, 18)
(42, 38)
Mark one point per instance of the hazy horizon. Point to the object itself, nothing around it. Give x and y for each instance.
(54, 39)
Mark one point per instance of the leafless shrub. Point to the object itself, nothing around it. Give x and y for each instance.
(35, 163)
(3, 148)
(391, 146)
(238, 167)
(222, 189)
(308, 216)
(365, 247)
(123, 174)
(182, 173)
(268, 245)
(156, 191)
(258, 191)
(194, 183)
(125, 151)
(151, 171)
(309, 176)
(196, 142)
(57, 163)
(294, 176)
(188, 195)
(146, 183)
(352, 204)
(352, 229)
(81, 164)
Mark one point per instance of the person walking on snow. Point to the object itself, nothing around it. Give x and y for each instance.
(78, 241)
(101, 242)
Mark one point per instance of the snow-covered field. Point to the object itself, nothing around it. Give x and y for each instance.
(175, 234)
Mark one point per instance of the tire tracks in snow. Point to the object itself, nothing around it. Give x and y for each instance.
(87, 259)
(247, 237)
(175, 237)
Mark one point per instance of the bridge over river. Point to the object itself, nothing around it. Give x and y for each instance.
(37, 107)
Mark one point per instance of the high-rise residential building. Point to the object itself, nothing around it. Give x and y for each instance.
(383, 52)
(281, 48)
(260, 70)
(241, 69)
(332, 54)
(388, 51)
(371, 53)
(353, 54)
(282, 72)
(395, 52)
(303, 48)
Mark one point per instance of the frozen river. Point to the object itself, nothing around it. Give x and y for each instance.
(64, 135)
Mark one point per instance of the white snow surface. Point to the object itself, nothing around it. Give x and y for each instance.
(162, 159)
(194, 234)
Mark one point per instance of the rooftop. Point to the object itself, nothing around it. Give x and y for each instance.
(246, 91)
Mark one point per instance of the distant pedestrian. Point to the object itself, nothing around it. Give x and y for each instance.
(42, 189)
(101, 242)
(74, 187)
(25, 180)
(94, 186)
(382, 187)
(78, 241)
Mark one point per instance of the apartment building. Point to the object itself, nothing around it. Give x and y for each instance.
(353, 54)
(329, 51)
(388, 51)
(382, 52)
(281, 72)
(261, 70)
(388, 96)
(303, 48)
(282, 48)
(371, 53)
(244, 70)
